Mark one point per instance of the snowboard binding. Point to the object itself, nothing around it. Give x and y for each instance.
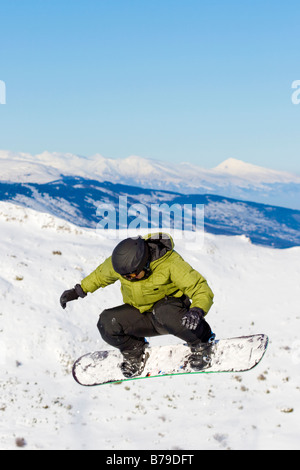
(202, 354)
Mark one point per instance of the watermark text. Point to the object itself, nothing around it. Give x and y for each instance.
(2, 92)
(182, 221)
(296, 93)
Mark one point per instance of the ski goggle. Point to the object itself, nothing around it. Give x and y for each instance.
(130, 276)
(133, 276)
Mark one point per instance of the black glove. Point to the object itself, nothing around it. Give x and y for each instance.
(71, 294)
(192, 318)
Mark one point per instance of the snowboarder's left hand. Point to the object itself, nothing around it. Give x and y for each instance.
(192, 318)
(71, 294)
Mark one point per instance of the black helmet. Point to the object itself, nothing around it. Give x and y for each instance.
(130, 256)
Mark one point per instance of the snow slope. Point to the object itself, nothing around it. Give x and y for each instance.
(232, 178)
(256, 291)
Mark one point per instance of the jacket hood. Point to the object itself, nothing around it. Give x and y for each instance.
(159, 244)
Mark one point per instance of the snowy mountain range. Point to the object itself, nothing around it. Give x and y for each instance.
(73, 188)
(77, 200)
(232, 178)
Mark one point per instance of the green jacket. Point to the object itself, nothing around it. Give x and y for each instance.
(170, 275)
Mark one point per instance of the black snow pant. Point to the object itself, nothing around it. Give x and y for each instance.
(125, 327)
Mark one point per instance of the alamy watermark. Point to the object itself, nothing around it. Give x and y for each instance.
(182, 221)
(296, 93)
(2, 92)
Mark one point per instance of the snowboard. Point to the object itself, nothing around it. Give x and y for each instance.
(229, 355)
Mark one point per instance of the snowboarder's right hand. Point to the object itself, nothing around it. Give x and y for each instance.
(192, 318)
(71, 294)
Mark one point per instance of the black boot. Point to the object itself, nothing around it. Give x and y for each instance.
(202, 354)
(134, 360)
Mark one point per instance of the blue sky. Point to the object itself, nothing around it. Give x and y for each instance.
(173, 80)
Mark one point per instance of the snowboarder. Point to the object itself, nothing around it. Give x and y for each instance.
(162, 295)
